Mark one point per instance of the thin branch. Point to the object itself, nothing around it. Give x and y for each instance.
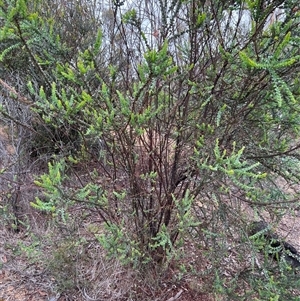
(18, 96)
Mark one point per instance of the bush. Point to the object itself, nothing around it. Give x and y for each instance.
(197, 118)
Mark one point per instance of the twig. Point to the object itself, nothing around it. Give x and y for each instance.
(88, 297)
(20, 98)
(176, 296)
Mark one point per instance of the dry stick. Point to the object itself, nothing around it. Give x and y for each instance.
(88, 297)
(18, 122)
(19, 98)
(176, 296)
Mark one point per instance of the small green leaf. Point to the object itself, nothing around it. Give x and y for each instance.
(249, 62)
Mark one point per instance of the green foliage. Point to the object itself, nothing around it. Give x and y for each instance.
(196, 119)
(51, 184)
(31, 250)
(130, 17)
(63, 263)
(159, 63)
(184, 213)
(119, 245)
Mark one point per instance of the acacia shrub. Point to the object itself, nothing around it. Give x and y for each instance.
(226, 105)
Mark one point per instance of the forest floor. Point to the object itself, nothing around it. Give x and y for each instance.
(23, 277)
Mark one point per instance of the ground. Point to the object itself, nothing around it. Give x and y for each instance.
(23, 279)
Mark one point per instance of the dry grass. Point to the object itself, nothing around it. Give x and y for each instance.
(46, 261)
(61, 268)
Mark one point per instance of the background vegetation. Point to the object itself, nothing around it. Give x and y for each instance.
(153, 133)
